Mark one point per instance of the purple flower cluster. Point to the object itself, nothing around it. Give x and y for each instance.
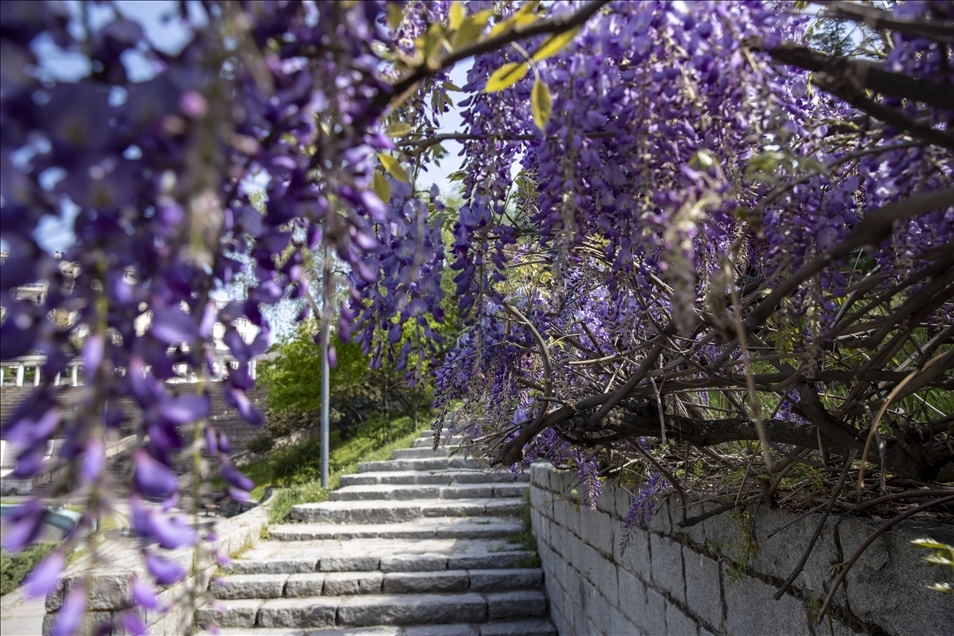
(643, 508)
(672, 144)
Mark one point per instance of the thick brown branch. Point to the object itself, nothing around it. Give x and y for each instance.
(884, 20)
(866, 74)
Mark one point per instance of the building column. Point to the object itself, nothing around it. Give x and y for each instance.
(36, 376)
(251, 368)
(20, 374)
(75, 376)
(56, 380)
(1, 376)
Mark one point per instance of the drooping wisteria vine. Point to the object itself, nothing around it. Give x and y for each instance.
(680, 226)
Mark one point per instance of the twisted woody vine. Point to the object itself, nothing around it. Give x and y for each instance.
(695, 252)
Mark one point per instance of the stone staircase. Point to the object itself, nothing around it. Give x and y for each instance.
(414, 546)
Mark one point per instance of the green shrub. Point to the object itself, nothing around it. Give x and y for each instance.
(287, 420)
(261, 444)
(359, 393)
(15, 567)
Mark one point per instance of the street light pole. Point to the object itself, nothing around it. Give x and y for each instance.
(325, 370)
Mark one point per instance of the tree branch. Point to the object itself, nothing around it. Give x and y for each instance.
(554, 26)
(874, 228)
(868, 74)
(881, 20)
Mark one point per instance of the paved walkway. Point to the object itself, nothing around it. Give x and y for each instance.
(22, 616)
(414, 546)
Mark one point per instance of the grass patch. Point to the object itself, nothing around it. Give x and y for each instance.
(342, 460)
(297, 470)
(15, 567)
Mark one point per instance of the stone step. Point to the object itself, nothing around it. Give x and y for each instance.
(375, 512)
(302, 585)
(427, 528)
(376, 609)
(420, 452)
(427, 441)
(421, 463)
(398, 492)
(518, 627)
(384, 555)
(446, 477)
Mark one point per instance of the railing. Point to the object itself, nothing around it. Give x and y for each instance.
(20, 366)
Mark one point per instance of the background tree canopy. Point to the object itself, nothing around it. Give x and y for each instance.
(690, 249)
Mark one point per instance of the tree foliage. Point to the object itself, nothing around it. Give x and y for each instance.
(688, 243)
(358, 391)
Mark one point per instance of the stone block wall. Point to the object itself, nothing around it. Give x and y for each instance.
(719, 576)
(109, 590)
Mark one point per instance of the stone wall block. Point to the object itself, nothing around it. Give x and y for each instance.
(536, 497)
(656, 613)
(606, 502)
(89, 626)
(624, 501)
(109, 591)
(632, 597)
(660, 522)
(596, 528)
(617, 623)
(592, 562)
(565, 510)
(750, 609)
(778, 554)
(539, 476)
(596, 605)
(703, 588)
(575, 586)
(666, 566)
(541, 528)
(732, 536)
(678, 624)
(560, 480)
(636, 556)
(892, 563)
(696, 534)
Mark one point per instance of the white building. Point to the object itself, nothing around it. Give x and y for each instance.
(14, 372)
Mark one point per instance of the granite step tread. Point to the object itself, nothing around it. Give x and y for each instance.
(432, 578)
(399, 492)
(376, 512)
(375, 609)
(422, 451)
(388, 554)
(421, 463)
(519, 627)
(425, 528)
(447, 477)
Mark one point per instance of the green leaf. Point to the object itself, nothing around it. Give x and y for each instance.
(555, 43)
(541, 103)
(399, 129)
(393, 166)
(517, 20)
(703, 160)
(451, 86)
(506, 76)
(470, 29)
(457, 12)
(395, 16)
(381, 187)
(931, 543)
